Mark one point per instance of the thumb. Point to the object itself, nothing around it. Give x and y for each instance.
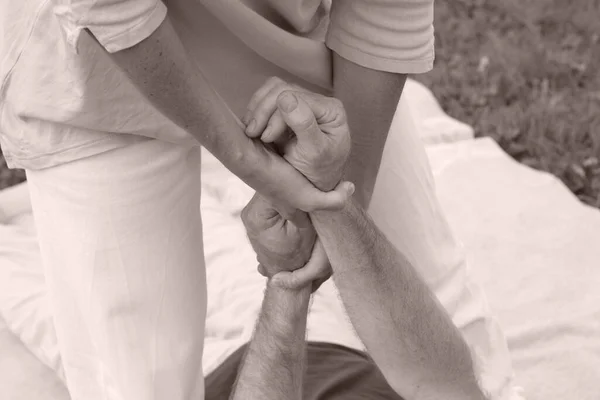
(305, 275)
(294, 215)
(298, 115)
(332, 200)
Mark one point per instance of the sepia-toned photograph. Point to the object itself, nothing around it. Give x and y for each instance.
(299, 200)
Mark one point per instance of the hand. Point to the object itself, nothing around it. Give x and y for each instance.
(319, 142)
(316, 272)
(283, 249)
(291, 193)
(280, 245)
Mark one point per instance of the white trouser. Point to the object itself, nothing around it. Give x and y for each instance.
(120, 236)
(121, 242)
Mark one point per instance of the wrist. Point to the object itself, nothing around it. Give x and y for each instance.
(328, 216)
(326, 183)
(292, 294)
(285, 309)
(250, 162)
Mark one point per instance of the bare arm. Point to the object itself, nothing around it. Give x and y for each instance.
(161, 70)
(370, 98)
(404, 327)
(273, 368)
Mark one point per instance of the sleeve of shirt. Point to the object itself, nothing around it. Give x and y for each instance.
(116, 24)
(385, 35)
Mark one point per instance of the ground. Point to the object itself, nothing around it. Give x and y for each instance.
(525, 73)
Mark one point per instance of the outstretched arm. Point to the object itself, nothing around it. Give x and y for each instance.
(407, 332)
(273, 367)
(405, 329)
(160, 68)
(139, 37)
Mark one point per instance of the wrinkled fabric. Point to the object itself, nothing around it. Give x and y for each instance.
(121, 245)
(62, 98)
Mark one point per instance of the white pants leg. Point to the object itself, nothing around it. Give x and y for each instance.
(120, 236)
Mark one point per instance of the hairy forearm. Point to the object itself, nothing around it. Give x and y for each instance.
(404, 327)
(273, 368)
(162, 71)
(370, 98)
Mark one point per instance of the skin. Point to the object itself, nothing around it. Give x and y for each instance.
(370, 98)
(422, 358)
(276, 354)
(161, 70)
(273, 366)
(310, 152)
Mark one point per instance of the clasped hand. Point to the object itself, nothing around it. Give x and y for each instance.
(310, 132)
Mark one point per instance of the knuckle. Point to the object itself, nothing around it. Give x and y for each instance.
(283, 86)
(274, 80)
(285, 90)
(340, 112)
(337, 103)
(306, 122)
(244, 214)
(249, 218)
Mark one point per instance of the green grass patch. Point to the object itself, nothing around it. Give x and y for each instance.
(526, 73)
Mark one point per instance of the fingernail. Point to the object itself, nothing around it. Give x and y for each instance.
(288, 102)
(265, 137)
(250, 129)
(246, 117)
(351, 189)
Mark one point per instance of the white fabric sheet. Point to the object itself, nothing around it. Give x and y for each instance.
(530, 240)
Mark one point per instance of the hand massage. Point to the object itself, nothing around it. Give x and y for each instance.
(233, 200)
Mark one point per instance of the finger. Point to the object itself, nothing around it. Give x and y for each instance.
(259, 214)
(263, 111)
(299, 117)
(328, 111)
(258, 96)
(300, 219)
(261, 270)
(265, 107)
(295, 216)
(333, 200)
(276, 129)
(305, 275)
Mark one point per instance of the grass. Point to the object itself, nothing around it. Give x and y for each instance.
(524, 72)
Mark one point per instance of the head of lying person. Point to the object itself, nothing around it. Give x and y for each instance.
(332, 372)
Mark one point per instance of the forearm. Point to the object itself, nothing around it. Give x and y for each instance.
(370, 98)
(273, 368)
(405, 329)
(162, 71)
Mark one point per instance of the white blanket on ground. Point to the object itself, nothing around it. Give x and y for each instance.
(529, 238)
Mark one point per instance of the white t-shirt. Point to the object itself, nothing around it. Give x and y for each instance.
(62, 98)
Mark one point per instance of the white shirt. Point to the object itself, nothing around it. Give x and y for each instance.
(63, 99)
